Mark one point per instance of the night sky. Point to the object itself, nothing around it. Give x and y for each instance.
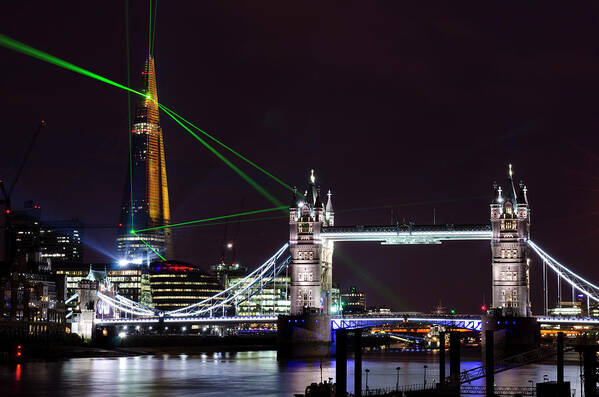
(406, 107)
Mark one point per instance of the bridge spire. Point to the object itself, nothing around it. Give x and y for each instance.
(511, 188)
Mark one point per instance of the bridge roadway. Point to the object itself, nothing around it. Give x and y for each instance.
(408, 234)
(471, 322)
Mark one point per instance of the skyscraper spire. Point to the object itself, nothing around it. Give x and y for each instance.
(146, 201)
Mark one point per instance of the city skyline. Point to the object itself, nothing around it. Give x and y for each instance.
(425, 139)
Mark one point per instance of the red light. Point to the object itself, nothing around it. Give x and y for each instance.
(7, 212)
(19, 347)
(18, 354)
(483, 308)
(120, 225)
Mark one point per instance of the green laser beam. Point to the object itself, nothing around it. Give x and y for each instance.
(127, 55)
(239, 172)
(261, 219)
(150, 32)
(17, 46)
(148, 245)
(230, 149)
(154, 27)
(214, 218)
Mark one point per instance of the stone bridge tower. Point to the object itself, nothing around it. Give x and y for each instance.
(311, 263)
(510, 222)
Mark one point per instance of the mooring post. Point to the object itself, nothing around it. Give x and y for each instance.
(341, 362)
(560, 357)
(489, 364)
(454, 356)
(441, 358)
(358, 363)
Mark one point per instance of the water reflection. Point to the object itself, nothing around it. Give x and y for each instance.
(230, 374)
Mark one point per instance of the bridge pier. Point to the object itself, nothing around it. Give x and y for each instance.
(304, 335)
(512, 335)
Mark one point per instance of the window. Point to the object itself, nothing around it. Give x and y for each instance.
(503, 253)
(311, 278)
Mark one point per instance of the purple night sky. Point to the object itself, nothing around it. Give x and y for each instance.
(402, 106)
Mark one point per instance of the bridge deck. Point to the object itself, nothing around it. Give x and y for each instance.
(408, 234)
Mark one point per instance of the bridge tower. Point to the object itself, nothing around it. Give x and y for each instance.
(311, 263)
(306, 332)
(510, 221)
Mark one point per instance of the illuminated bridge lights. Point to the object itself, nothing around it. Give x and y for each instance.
(408, 234)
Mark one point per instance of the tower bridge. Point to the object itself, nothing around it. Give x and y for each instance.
(308, 258)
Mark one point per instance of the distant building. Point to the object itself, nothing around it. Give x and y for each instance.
(32, 305)
(440, 310)
(45, 243)
(60, 241)
(379, 310)
(335, 299)
(177, 284)
(353, 301)
(145, 202)
(224, 272)
(272, 299)
(567, 309)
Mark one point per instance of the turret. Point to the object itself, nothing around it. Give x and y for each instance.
(330, 214)
(293, 207)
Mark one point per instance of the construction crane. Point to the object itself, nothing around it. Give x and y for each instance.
(9, 241)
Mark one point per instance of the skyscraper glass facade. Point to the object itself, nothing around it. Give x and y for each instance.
(145, 199)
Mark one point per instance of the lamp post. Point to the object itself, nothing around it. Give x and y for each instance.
(425, 367)
(367, 371)
(397, 381)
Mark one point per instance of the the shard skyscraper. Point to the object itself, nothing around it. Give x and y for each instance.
(145, 199)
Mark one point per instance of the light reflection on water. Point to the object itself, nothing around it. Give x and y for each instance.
(229, 374)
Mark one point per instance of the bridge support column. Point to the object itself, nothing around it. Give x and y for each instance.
(358, 363)
(454, 356)
(341, 362)
(305, 335)
(442, 358)
(490, 364)
(513, 335)
(560, 357)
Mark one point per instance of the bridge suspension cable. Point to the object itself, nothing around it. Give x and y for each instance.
(239, 292)
(577, 282)
(126, 307)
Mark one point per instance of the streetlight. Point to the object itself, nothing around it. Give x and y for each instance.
(367, 371)
(397, 381)
(425, 367)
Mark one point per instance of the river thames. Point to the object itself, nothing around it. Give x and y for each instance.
(254, 373)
